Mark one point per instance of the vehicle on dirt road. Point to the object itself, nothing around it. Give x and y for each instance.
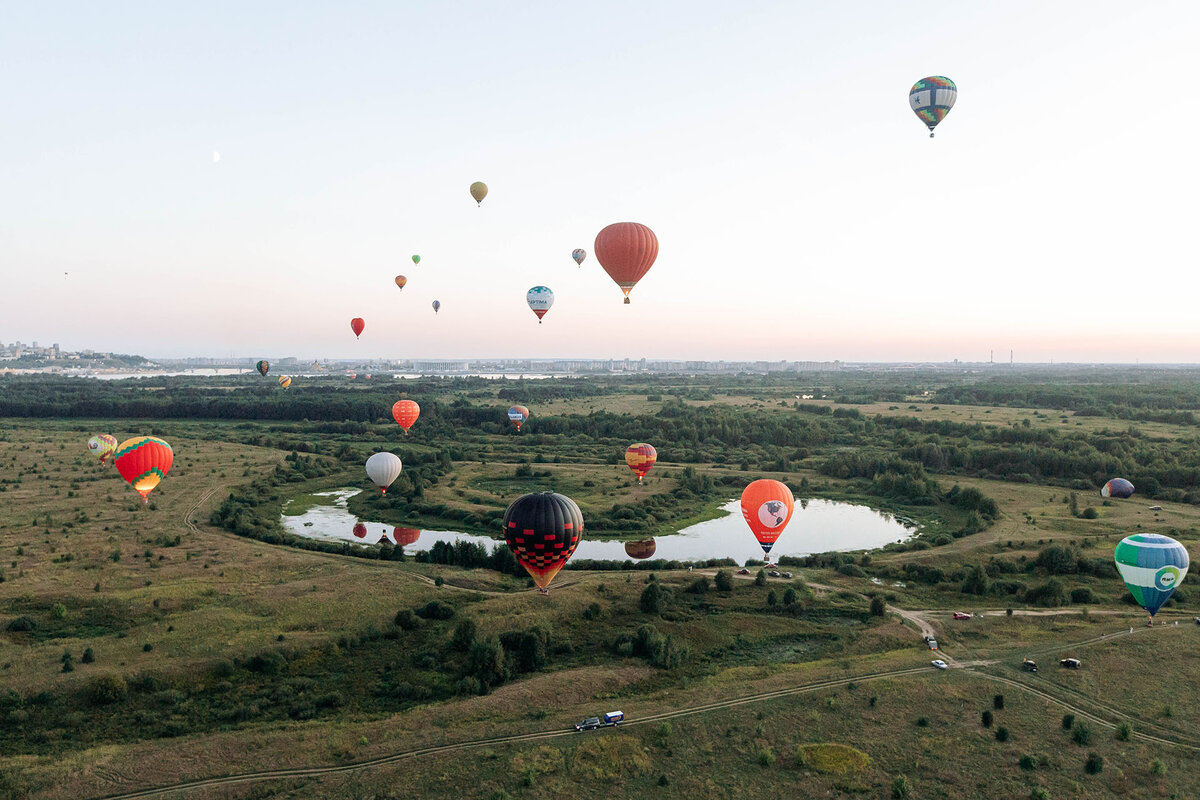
(937, 662)
(1029, 666)
(592, 723)
(743, 571)
(961, 615)
(1070, 663)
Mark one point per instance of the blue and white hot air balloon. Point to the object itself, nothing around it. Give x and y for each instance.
(1152, 567)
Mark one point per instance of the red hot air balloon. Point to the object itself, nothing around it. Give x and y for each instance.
(542, 530)
(640, 458)
(360, 530)
(626, 250)
(143, 461)
(405, 412)
(357, 326)
(405, 536)
(767, 507)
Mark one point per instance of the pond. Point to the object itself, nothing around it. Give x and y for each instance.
(818, 526)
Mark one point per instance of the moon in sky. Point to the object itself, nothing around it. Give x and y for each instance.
(216, 156)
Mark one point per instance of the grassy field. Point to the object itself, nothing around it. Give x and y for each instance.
(237, 655)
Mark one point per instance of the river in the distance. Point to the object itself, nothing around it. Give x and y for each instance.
(818, 526)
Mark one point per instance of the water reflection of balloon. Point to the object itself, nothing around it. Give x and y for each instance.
(1117, 487)
(542, 530)
(383, 469)
(1152, 567)
(931, 100)
(640, 550)
(405, 536)
(360, 530)
(143, 461)
(767, 507)
(640, 457)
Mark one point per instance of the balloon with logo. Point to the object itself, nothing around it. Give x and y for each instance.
(262, 367)
(401, 281)
(579, 254)
(357, 326)
(102, 446)
(405, 412)
(542, 530)
(143, 461)
(518, 415)
(383, 469)
(405, 536)
(1117, 487)
(1152, 566)
(285, 381)
(640, 457)
(931, 100)
(478, 192)
(539, 298)
(627, 251)
(767, 507)
(436, 305)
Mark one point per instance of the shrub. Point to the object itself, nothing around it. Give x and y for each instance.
(1068, 721)
(901, 788)
(1094, 764)
(464, 635)
(772, 598)
(1082, 594)
(107, 689)
(765, 757)
(1123, 732)
(435, 610)
(699, 586)
(653, 598)
(986, 719)
(1089, 513)
(832, 759)
(406, 619)
(1038, 793)
(922, 722)
(998, 702)
(1157, 767)
(22, 625)
(1002, 734)
(58, 611)
(878, 607)
(724, 580)
(790, 596)
(1050, 594)
(1027, 763)
(761, 578)
(88, 656)
(1081, 734)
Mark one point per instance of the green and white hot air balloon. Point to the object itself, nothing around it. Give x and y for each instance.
(1152, 566)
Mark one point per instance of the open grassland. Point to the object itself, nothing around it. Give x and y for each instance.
(228, 654)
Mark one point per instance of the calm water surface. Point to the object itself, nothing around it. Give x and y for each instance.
(818, 526)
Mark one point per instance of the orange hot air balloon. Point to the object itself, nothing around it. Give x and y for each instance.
(626, 250)
(640, 458)
(640, 550)
(143, 461)
(767, 507)
(360, 530)
(401, 280)
(405, 412)
(357, 326)
(405, 536)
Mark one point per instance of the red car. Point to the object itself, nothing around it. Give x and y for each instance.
(961, 615)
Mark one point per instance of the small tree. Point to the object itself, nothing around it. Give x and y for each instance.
(1002, 734)
(901, 788)
(1123, 732)
(790, 596)
(1081, 734)
(406, 619)
(88, 656)
(1158, 767)
(772, 600)
(761, 578)
(1094, 764)
(652, 599)
(724, 580)
(464, 635)
(998, 702)
(986, 719)
(1068, 721)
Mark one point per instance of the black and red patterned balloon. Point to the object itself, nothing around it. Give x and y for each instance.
(542, 530)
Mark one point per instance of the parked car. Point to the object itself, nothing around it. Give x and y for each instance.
(933, 644)
(1070, 663)
(1029, 666)
(787, 574)
(589, 724)
(961, 615)
(743, 571)
(773, 574)
(937, 662)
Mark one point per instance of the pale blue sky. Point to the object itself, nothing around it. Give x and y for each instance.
(801, 209)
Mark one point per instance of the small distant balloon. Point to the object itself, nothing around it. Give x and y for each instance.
(285, 381)
(263, 367)
(518, 415)
(416, 259)
(405, 412)
(1117, 487)
(401, 280)
(478, 192)
(357, 324)
(539, 298)
(102, 446)
(579, 254)
(640, 457)
(931, 99)
(436, 305)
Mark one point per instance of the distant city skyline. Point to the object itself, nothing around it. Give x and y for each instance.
(180, 180)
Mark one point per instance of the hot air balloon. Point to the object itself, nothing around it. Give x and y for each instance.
(383, 469)
(143, 461)
(400, 281)
(931, 100)
(543, 530)
(518, 414)
(640, 550)
(102, 446)
(405, 412)
(1152, 567)
(262, 368)
(360, 530)
(1117, 487)
(640, 458)
(405, 536)
(357, 326)
(436, 305)
(416, 259)
(539, 298)
(767, 507)
(478, 192)
(579, 254)
(285, 381)
(626, 250)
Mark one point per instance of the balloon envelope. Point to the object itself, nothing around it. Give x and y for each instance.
(518, 415)
(539, 298)
(543, 530)
(285, 381)
(357, 326)
(102, 446)
(579, 254)
(1152, 567)
(401, 280)
(262, 367)
(767, 507)
(478, 192)
(383, 469)
(640, 458)
(931, 100)
(1117, 487)
(436, 305)
(405, 412)
(143, 461)
(626, 250)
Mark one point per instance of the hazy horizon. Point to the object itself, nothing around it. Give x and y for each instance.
(803, 213)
